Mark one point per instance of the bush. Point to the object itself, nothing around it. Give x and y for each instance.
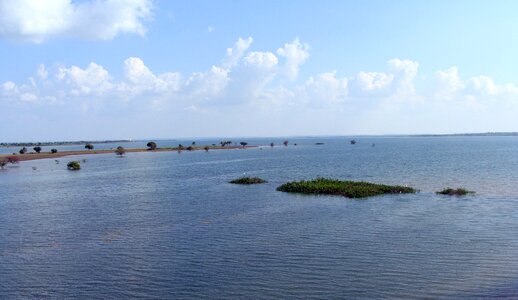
(12, 159)
(350, 189)
(54, 150)
(190, 148)
(73, 165)
(455, 192)
(248, 180)
(37, 149)
(206, 148)
(151, 145)
(89, 146)
(23, 150)
(120, 151)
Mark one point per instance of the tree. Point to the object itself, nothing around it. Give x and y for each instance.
(54, 150)
(193, 143)
(120, 151)
(151, 145)
(271, 144)
(224, 143)
(243, 144)
(180, 146)
(23, 150)
(74, 165)
(89, 146)
(37, 149)
(285, 143)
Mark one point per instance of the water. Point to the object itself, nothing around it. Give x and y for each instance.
(168, 225)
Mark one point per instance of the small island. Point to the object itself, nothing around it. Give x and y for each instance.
(455, 192)
(349, 189)
(248, 180)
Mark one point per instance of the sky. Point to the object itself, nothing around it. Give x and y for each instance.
(141, 69)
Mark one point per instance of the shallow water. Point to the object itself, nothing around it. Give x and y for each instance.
(168, 225)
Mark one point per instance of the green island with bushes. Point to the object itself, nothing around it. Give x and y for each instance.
(248, 180)
(349, 189)
(455, 192)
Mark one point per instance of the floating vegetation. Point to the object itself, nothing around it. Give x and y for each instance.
(350, 189)
(74, 165)
(248, 180)
(455, 192)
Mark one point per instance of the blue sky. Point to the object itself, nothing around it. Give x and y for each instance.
(74, 70)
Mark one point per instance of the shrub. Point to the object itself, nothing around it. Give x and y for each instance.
(89, 146)
(206, 148)
(37, 149)
(54, 150)
(74, 165)
(120, 151)
(350, 189)
(151, 145)
(23, 150)
(248, 180)
(190, 148)
(12, 159)
(455, 192)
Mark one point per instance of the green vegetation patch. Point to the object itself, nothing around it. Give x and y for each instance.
(248, 180)
(455, 192)
(350, 189)
(74, 165)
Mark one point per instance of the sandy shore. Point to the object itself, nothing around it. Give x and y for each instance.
(44, 155)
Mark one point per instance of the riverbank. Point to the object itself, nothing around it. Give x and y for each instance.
(45, 155)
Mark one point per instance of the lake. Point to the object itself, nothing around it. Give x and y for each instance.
(169, 225)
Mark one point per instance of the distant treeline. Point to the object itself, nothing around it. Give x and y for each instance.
(60, 143)
(473, 134)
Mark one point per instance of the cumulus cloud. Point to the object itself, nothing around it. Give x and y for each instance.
(235, 53)
(258, 78)
(295, 53)
(37, 21)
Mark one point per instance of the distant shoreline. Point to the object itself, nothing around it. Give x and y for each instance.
(67, 143)
(48, 155)
(61, 143)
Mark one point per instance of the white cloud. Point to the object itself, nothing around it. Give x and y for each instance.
(235, 53)
(37, 21)
(92, 80)
(295, 54)
(255, 81)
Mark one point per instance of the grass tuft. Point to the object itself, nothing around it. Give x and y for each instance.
(248, 180)
(455, 192)
(350, 189)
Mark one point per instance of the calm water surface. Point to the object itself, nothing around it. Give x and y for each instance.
(168, 225)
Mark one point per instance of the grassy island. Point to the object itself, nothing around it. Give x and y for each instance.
(350, 189)
(455, 192)
(248, 180)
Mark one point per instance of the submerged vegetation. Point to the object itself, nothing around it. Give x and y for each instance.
(248, 180)
(350, 189)
(455, 192)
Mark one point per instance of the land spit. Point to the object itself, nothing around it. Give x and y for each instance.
(59, 154)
